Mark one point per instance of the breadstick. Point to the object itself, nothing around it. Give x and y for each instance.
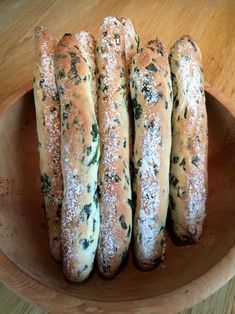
(79, 155)
(151, 93)
(87, 49)
(131, 45)
(48, 129)
(114, 176)
(188, 187)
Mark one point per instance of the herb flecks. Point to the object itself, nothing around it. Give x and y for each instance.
(174, 181)
(195, 160)
(137, 109)
(88, 188)
(60, 74)
(176, 103)
(123, 222)
(87, 210)
(192, 43)
(111, 177)
(180, 191)
(96, 196)
(88, 150)
(175, 159)
(124, 143)
(94, 132)
(117, 39)
(185, 112)
(84, 243)
(151, 67)
(183, 163)
(66, 109)
(82, 270)
(94, 158)
(45, 184)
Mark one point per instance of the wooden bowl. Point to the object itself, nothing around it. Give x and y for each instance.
(188, 274)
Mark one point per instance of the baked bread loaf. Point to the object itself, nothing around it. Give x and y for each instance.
(131, 46)
(114, 176)
(87, 50)
(151, 93)
(131, 43)
(79, 154)
(188, 182)
(48, 129)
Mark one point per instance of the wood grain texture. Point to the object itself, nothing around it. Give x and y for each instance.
(221, 302)
(189, 273)
(211, 24)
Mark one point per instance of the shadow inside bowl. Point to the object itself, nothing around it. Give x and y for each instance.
(23, 235)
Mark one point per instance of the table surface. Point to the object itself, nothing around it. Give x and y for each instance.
(210, 23)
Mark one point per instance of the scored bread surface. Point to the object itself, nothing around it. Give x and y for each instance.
(79, 153)
(151, 93)
(188, 182)
(49, 133)
(114, 176)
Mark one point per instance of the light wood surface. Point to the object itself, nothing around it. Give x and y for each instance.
(211, 23)
(221, 302)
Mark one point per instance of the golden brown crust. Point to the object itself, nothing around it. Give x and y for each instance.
(87, 48)
(114, 176)
(131, 42)
(79, 155)
(151, 93)
(131, 45)
(189, 143)
(48, 128)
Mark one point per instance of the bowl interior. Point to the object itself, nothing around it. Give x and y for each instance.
(23, 235)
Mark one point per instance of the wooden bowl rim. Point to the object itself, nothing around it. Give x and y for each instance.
(175, 301)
